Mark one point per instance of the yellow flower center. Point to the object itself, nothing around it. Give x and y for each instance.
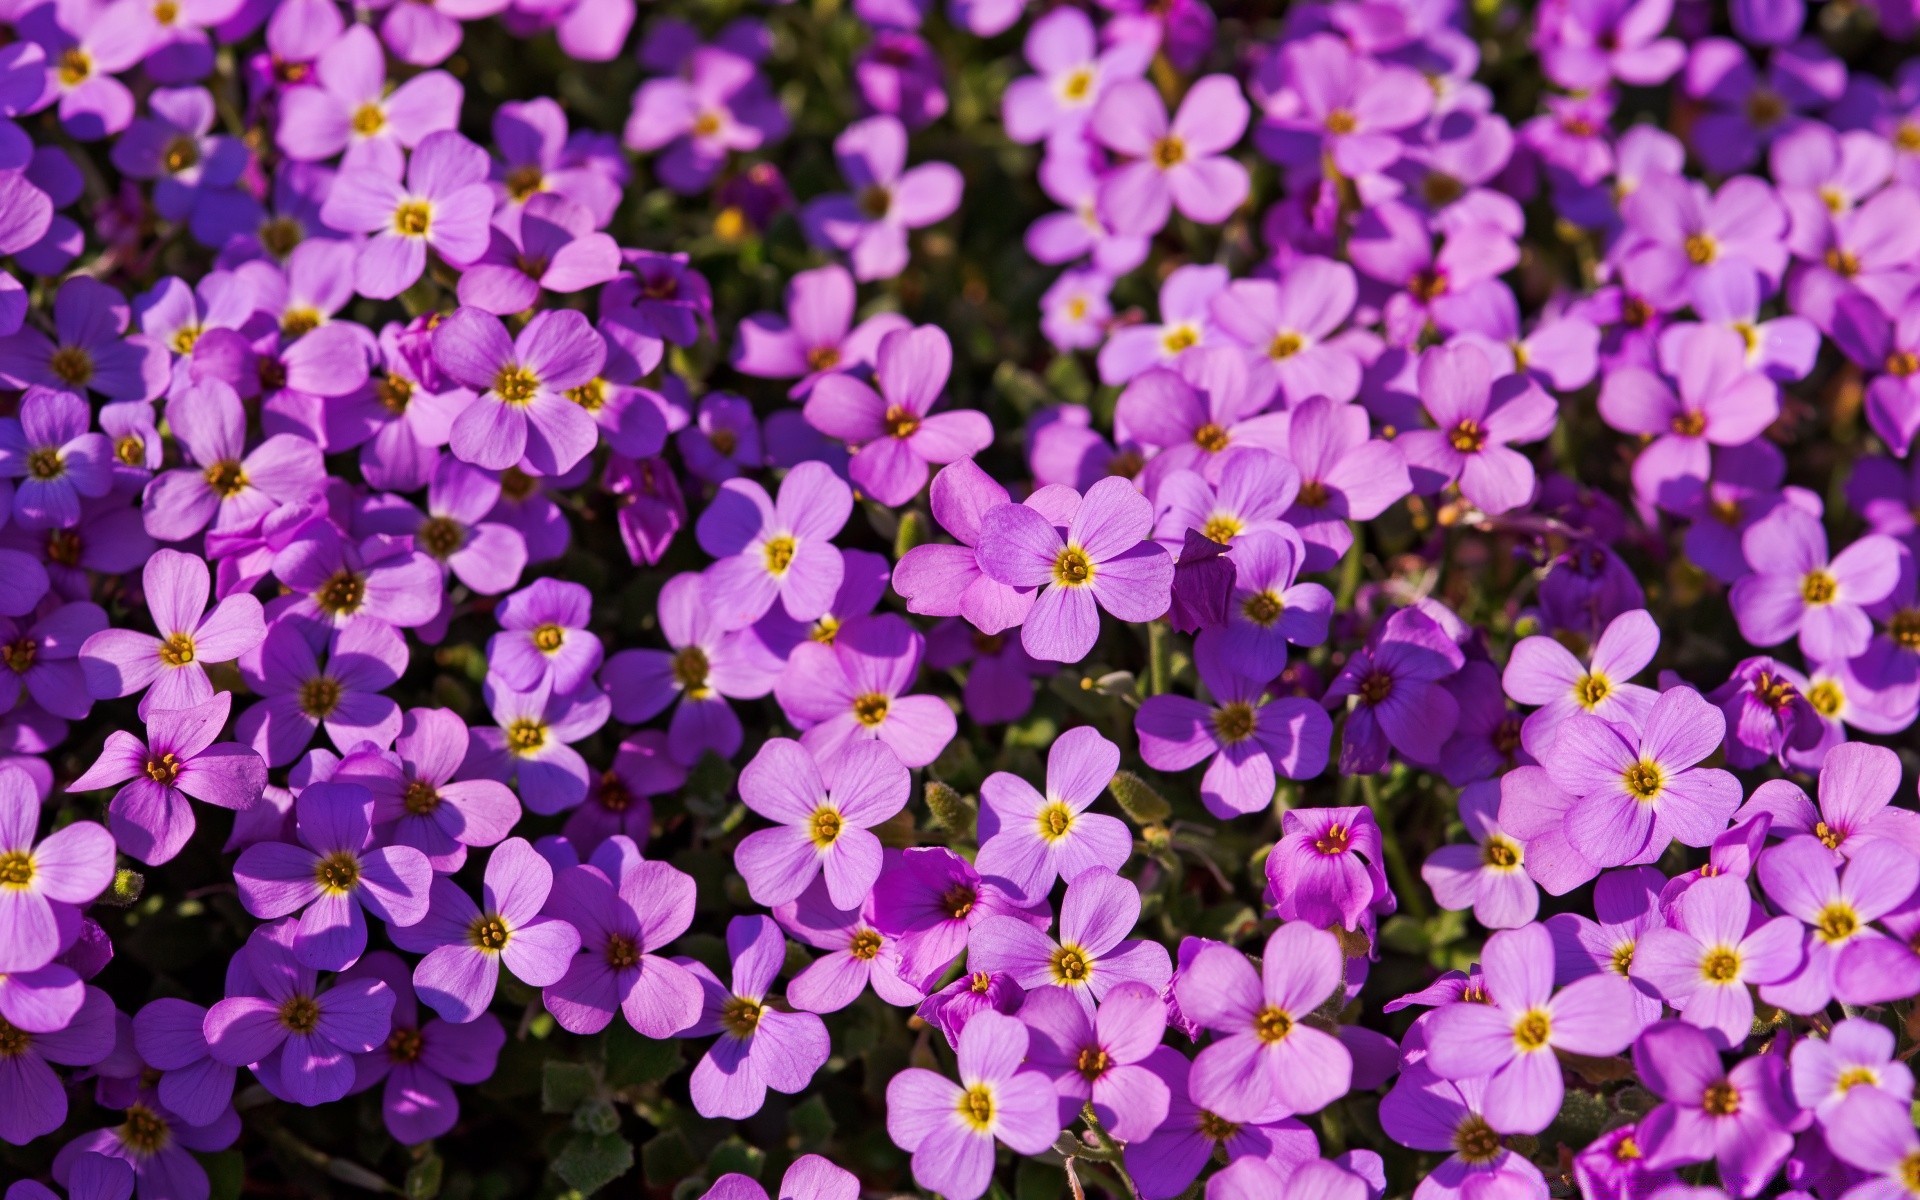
(1720, 1099)
(1285, 345)
(1467, 437)
(181, 153)
(145, 1132)
(1720, 965)
(523, 181)
(622, 954)
(319, 697)
(1092, 1062)
(1211, 438)
(296, 321)
(71, 365)
(1055, 821)
(342, 594)
(740, 1016)
(1073, 568)
(1500, 853)
(16, 869)
(413, 218)
(1532, 1030)
(441, 536)
(976, 1107)
(420, 797)
(865, 945)
(1263, 608)
(871, 709)
(516, 385)
(823, 828)
(1819, 587)
(1070, 965)
(489, 933)
(177, 650)
(1234, 722)
(1169, 152)
(526, 736)
(1341, 122)
(1702, 249)
(338, 872)
(591, 395)
(1644, 781)
(1475, 1141)
(1837, 922)
(76, 67)
(1272, 1025)
(163, 769)
(1590, 689)
(369, 119)
(778, 552)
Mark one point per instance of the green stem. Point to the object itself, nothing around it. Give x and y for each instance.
(1405, 882)
(1159, 659)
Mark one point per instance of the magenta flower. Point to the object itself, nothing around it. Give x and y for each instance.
(719, 102)
(522, 411)
(466, 944)
(1093, 954)
(1180, 163)
(1326, 868)
(1071, 73)
(1720, 403)
(1512, 1040)
(1542, 671)
(625, 909)
(825, 819)
(1677, 230)
(1268, 609)
(848, 693)
(772, 550)
(337, 585)
(1796, 588)
(947, 581)
(1641, 790)
(894, 428)
(931, 900)
(1251, 740)
(1738, 1118)
(1881, 1141)
(1426, 1112)
(1857, 786)
(1475, 418)
(1101, 560)
(1628, 904)
(544, 637)
(70, 866)
(857, 954)
(950, 1128)
(36, 1101)
(817, 338)
(888, 198)
(350, 108)
(706, 667)
(1030, 840)
(1703, 963)
(1398, 701)
(150, 817)
(554, 247)
(1097, 1058)
(298, 1039)
(172, 666)
(810, 1176)
(420, 1062)
(227, 485)
(487, 556)
(1856, 1051)
(443, 205)
(1265, 1061)
(759, 1046)
(332, 875)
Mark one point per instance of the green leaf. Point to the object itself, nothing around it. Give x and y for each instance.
(597, 1116)
(812, 1123)
(226, 1174)
(633, 1060)
(667, 1159)
(1035, 1180)
(565, 1085)
(590, 1162)
(423, 1180)
(734, 1155)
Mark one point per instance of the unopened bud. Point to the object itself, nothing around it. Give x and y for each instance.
(950, 809)
(1138, 799)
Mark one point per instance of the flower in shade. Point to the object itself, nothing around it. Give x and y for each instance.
(299, 694)
(1797, 588)
(1641, 790)
(1093, 955)
(1881, 1140)
(888, 198)
(70, 866)
(1542, 671)
(544, 637)
(1338, 105)
(1250, 739)
(1030, 840)
(1180, 163)
(88, 351)
(1513, 1040)
(1164, 1164)
(466, 944)
(176, 148)
(826, 809)
(49, 448)
(299, 1039)
(818, 336)
(336, 584)
(333, 874)
(1737, 1118)
(170, 1035)
(521, 381)
(809, 1178)
(775, 550)
(950, 1128)
(1703, 963)
(1265, 1060)
(1268, 610)
(931, 900)
(1398, 701)
(453, 532)
(1489, 876)
(848, 693)
(443, 205)
(418, 1064)
(642, 767)
(150, 817)
(1103, 559)
(894, 428)
(705, 666)
(171, 665)
(33, 1102)
(857, 954)
(1719, 403)
(1857, 1052)
(1837, 905)
(759, 1046)
(530, 744)
(1475, 417)
(625, 909)
(554, 248)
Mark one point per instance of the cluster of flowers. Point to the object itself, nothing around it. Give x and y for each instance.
(314, 342)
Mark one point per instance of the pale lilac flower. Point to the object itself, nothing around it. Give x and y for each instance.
(759, 1046)
(1704, 962)
(1093, 954)
(825, 818)
(1030, 840)
(950, 1128)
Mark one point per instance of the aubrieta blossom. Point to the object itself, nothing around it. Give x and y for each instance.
(350, 109)
(1093, 954)
(227, 485)
(36, 1100)
(849, 693)
(1838, 905)
(930, 900)
(465, 945)
(55, 457)
(1029, 840)
(1475, 417)
(1798, 588)
(857, 954)
(442, 205)
(950, 1128)
(1856, 1052)
(759, 1046)
(1737, 1118)
(1398, 703)
(717, 104)
(810, 1176)
(1542, 671)
(1856, 788)
(887, 201)
(1489, 874)
(625, 909)
(705, 667)
(530, 744)
(522, 410)
(169, 668)
(418, 1064)
(817, 337)
(68, 867)
(1178, 163)
(825, 818)
(1704, 961)
(1097, 1059)
(1719, 403)
(554, 247)
(177, 149)
(1326, 869)
(771, 549)
(299, 694)
(894, 428)
(1626, 903)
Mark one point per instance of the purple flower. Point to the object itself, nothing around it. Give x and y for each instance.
(1091, 957)
(1265, 1060)
(57, 461)
(1677, 230)
(554, 247)
(87, 44)
(759, 1046)
(1627, 903)
(1292, 323)
(150, 817)
(950, 1128)
(350, 108)
(465, 943)
(332, 875)
(772, 550)
(1641, 790)
(1513, 1040)
(1720, 403)
(171, 1036)
(895, 430)
(1738, 1118)
(848, 693)
(1071, 73)
(1326, 867)
(338, 586)
(625, 909)
(718, 103)
(1542, 671)
(1179, 163)
(1880, 1140)
(544, 637)
(33, 1102)
(1101, 560)
(931, 900)
(1426, 1112)
(522, 411)
(1096, 1058)
(299, 694)
(887, 200)
(1857, 786)
(1489, 876)
(817, 337)
(227, 485)
(1797, 588)
(420, 1062)
(1166, 1163)
(70, 866)
(177, 148)
(1250, 739)
(531, 743)
(946, 581)
(443, 205)
(1398, 702)
(1838, 907)
(825, 819)
(1345, 475)
(1476, 417)
(298, 1039)
(1334, 105)
(1703, 963)
(706, 667)
(1857, 1051)
(171, 667)
(857, 954)
(88, 351)
(1030, 840)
